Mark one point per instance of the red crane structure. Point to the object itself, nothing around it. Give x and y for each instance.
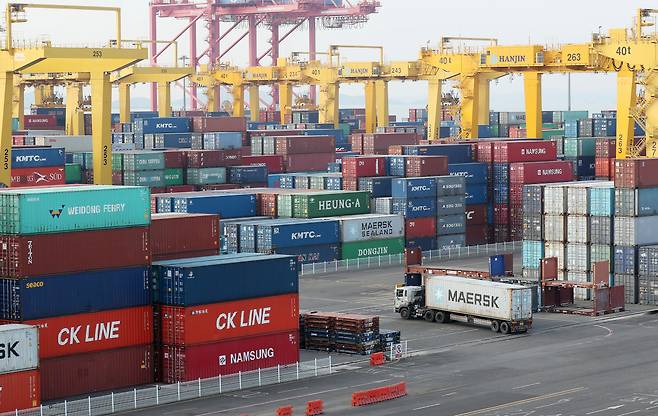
(272, 14)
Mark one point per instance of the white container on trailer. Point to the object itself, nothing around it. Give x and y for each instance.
(19, 348)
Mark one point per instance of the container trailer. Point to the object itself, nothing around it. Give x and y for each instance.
(504, 307)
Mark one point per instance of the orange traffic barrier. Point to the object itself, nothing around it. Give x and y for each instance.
(379, 394)
(377, 358)
(284, 411)
(314, 408)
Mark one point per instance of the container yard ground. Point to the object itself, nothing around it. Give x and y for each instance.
(567, 364)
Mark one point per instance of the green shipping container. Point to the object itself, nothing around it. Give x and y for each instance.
(548, 134)
(173, 177)
(14, 124)
(206, 176)
(86, 160)
(574, 115)
(549, 125)
(580, 147)
(363, 249)
(73, 208)
(330, 204)
(117, 162)
(139, 160)
(150, 178)
(495, 130)
(73, 173)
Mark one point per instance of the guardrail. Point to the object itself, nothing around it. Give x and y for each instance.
(375, 262)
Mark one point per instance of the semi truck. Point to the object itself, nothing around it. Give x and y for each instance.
(505, 308)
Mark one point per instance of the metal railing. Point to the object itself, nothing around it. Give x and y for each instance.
(375, 262)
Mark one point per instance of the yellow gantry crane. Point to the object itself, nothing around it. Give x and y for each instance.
(43, 58)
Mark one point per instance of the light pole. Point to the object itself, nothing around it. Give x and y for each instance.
(184, 60)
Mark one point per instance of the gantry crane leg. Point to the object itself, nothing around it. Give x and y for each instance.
(469, 106)
(254, 103)
(434, 109)
(18, 108)
(533, 108)
(483, 101)
(164, 99)
(6, 92)
(212, 93)
(626, 101)
(238, 100)
(75, 118)
(101, 116)
(381, 102)
(41, 92)
(329, 103)
(124, 102)
(650, 96)
(285, 101)
(371, 106)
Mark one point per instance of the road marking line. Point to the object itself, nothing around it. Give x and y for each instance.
(292, 398)
(527, 385)
(610, 331)
(450, 394)
(606, 409)
(428, 406)
(629, 413)
(291, 390)
(530, 400)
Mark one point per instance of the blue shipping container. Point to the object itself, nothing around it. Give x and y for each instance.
(647, 201)
(497, 266)
(247, 174)
(450, 205)
(273, 234)
(457, 153)
(174, 141)
(225, 205)
(425, 244)
(533, 252)
(474, 173)
(602, 201)
(415, 207)
(162, 125)
(378, 187)
(476, 194)
(447, 242)
(37, 157)
(224, 278)
(312, 254)
(274, 180)
(413, 188)
(451, 224)
(222, 140)
(69, 294)
(450, 185)
(626, 259)
(397, 165)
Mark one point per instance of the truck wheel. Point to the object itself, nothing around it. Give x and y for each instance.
(429, 316)
(495, 326)
(441, 317)
(405, 313)
(505, 328)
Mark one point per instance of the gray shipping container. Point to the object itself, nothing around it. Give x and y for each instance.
(577, 257)
(371, 227)
(648, 290)
(383, 205)
(577, 229)
(555, 249)
(599, 252)
(600, 230)
(532, 274)
(554, 227)
(636, 231)
(450, 205)
(555, 199)
(450, 224)
(20, 348)
(648, 261)
(625, 260)
(450, 185)
(533, 226)
(450, 241)
(630, 283)
(533, 199)
(625, 202)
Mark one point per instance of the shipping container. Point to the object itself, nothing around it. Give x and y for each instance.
(173, 235)
(20, 390)
(602, 200)
(631, 286)
(372, 248)
(46, 176)
(247, 174)
(577, 229)
(305, 145)
(418, 166)
(416, 207)
(206, 176)
(161, 125)
(212, 124)
(37, 157)
(477, 235)
(451, 224)
(636, 202)
(188, 282)
(473, 173)
(450, 185)
(20, 348)
(97, 331)
(476, 214)
(420, 228)
(225, 205)
(46, 210)
(600, 229)
(148, 178)
(85, 374)
(648, 261)
(626, 260)
(32, 297)
(273, 234)
(456, 153)
(425, 243)
(541, 172)
(636, 173)
(221, 141)
(533, 253)
(371, 227)
(450, 205)
(524, 151)
(203, 324)
(477, 194)
(312, 254)
(577, 257)
(629, 231)
(310, 162)
(274, 163)
(330, 204)
(364, 166)
(557, 250)
(377, 186)
(414, 188)
(229, 357)
(451, 241)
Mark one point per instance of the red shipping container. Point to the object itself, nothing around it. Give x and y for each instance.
(477, 234)
(296, 145)
(636, 173)
(501, 233)
(84, 374)
(43, 176)
(426, 166)
(476, 215)
(395, 150)
(501, 214)
(228, 357)
(18, 140)
(90, 332)
(364, 166)
(356, 140)
(524, 151)
(20, 390)
(230, 157)
(216, 124)
(516, 194)
(542, 172)
(309, 162)
(602, 167)
(175, 234)
(204, 158)
(158, 190)
(175, 159)
(46, 254)
(274, 163)
(40, 122)
(180, 188)
(246, 150)
(268, 205)
(484, 152)
(420, 227)
(378, 143)
(605, 147)
(219, 187)
(205, 324)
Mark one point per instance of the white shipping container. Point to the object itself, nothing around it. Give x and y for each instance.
(19, 348)
(480, 298)
(70, 143)
(555, 199)
(577, 229)
(555, 249)
(371, 227)
(554, 227)
(577, 257)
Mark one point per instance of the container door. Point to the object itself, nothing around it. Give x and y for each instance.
(517, 304)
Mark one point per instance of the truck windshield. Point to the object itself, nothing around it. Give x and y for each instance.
(399, 293)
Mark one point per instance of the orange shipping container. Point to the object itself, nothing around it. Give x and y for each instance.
(20, 390)
(203, 324)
